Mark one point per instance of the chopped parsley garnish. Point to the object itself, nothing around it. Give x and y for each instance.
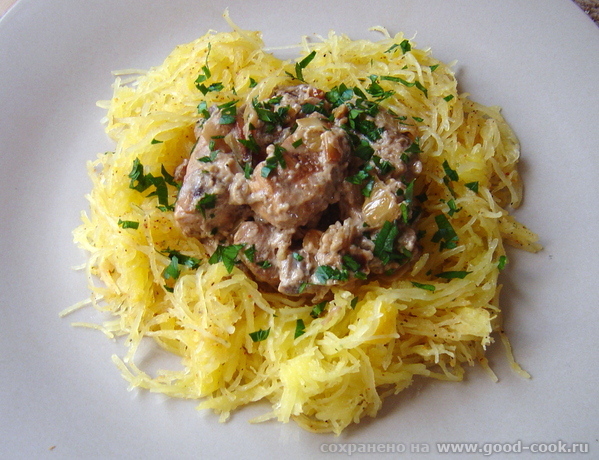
(406, 83)
(445, 235)
(228, 113)
(203, 109)
(300, 328)
(354, 302)
(359, 177)
(325, 273)
(266, 114)
(208, 201)
(205, 75)
(260, 335)
(453, 274)
(318, 309)
(363, 150)
(377, 91)
(172, 270)
(247, 170)
(450, 173)
(264, 264)
(297, 143)
(473, 186)
(414, 147)
(404, 45)
(182, 259)
(128, 224)
(209, 158)
(385, 242)
(434, 67)
(503, 260)
(156, 141)
(301, 65)
(426, 287)
(227, 255)
(453, 207)
(350, 263)
(250, 143)
(448, 98)
(250, 253)
(384, 166)
(297, 256)
(253, 82)
(273, 161)
(141, 182)
(339, 95)
(367, 189)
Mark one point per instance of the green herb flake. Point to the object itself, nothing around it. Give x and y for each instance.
(385, 242)
(448, 98)
(300, 328)
(503, 260)
(449, 275)
(325, 273)
(449, 172)
(473, 186)
(300, 66)
(250, 143)
(156, 141)
(414, 146)
(445, 235)
(354, 302)
(250, 253)
(172, 270)
(260, 335)
(426, 287)
(264, 264)
(227, 255)
(297, 143)
(182, 259)
(297, 256)
(273, 161)
(350, 263)
(208, 201)
(128, 224)
(404, 45)
(318, 309)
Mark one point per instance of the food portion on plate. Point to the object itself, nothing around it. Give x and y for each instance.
(312, 233)
(309, 183)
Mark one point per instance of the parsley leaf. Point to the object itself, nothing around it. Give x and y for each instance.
(453, 274)
(260, 335)
(128, 224)
(300, 66)
(208, 201)
(426, 287)
(385, 242)
(503, 260)
(473, 186)
(300, 328)
(318, 309)
(227, 255)
(325, 273)
(445, 234)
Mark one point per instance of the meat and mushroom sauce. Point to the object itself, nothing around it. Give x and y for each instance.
(314, 189)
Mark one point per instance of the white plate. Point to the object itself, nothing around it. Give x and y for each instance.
(61, 396)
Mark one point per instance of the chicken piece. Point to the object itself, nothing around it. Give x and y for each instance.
(203, 207)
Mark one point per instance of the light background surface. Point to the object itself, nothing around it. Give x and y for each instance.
(61, 396)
